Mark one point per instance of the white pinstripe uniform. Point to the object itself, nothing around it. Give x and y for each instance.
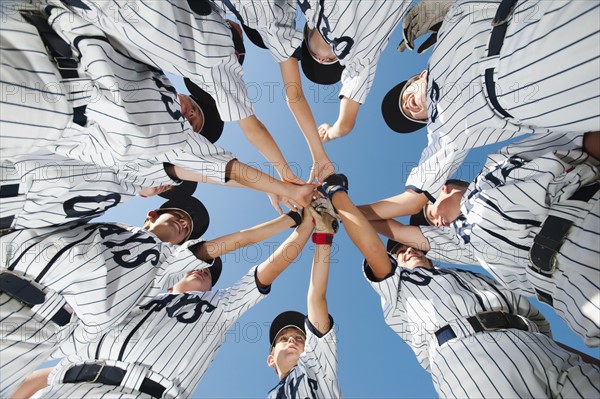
(133, 117)
(275, 20)
(44, 189)
(99, 271)
(172, 338)
(505, 209)
(546, 76)
(170, 36)
(501, 363)
(315, 375)
(359, 31)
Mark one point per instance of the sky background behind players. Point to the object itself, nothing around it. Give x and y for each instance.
(373, 361)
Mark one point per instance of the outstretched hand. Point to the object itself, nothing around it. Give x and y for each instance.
(321, 170)
(324, 221)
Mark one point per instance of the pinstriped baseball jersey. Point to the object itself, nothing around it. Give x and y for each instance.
(504, 210)
(358, 31)
(546, 77)
(174, 335)
(133, 117)
(51, 190)
(502, 363)
(111, 267)
(170, 36)
(315, 375)
(275, 20)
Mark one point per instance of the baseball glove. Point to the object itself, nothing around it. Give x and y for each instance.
(324, 208)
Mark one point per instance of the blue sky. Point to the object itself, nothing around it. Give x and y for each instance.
(373, 361)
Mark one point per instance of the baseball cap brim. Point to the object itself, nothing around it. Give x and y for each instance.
(186, 188)
(194, 208)
(254, 36)
(392, 112)
(215, 270)
(213, 124)
(420, 218)
(323, 74)
(284, 320)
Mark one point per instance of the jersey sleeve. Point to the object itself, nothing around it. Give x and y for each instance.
(438, 162)
(357, 79)
(320, 356)
(241, 296)
(446, 246)
(388, 288)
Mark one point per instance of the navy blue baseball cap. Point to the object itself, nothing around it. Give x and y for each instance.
(290, 318)
(324, 74)
(215, 270)
(196, 211)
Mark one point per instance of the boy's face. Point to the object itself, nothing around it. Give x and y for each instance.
(173, 226)
(192, 112)
(289, 345)
(414, 98)
(319, 49)
(410, 257)
(196, 280)
(447, 207)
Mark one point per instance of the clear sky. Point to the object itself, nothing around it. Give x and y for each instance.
(373, 361)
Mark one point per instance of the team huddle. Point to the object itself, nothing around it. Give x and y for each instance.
(85, 98)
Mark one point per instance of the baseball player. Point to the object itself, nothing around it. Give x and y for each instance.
(500, 69)
(476, 338)
(272, 25)
(44, 189)
(189, 324)
(91, 274)
(344, 40)
(191, 41)
(303, 349)
(530, 219)
(133, 121)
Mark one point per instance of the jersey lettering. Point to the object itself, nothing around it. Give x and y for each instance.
(168, 101)
(343, 44)
(70, 205)
(202, 306)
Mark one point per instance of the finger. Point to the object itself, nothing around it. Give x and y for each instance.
(408, 43)
(277, 207)
(313, 175)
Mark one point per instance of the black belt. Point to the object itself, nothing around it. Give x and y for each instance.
(7, 191)
(109, 375)
(548, 242)
(29, 295)
(500, 24)
(60, 53)
(485, 321)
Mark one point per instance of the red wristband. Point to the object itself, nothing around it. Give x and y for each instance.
(322, 238)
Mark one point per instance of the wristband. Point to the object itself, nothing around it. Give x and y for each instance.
(322, 238)
(296, 217)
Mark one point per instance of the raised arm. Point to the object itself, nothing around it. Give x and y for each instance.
(360, 231)
(408, 235)
(250, 177)
(294, 95)
(345, 122)
(220, 246)
(287, 252)
(318, 313)
(33, 383)
(405, 204)
(261, 139)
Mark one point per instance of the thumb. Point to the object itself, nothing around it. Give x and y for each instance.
(430, 41)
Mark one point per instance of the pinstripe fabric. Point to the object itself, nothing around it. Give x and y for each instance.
(547, 76)
(169, 36)
(360, 30)
(134, 120)
(315, 375)
(54, 190)
(275, 20)
(175, 336)
(501, 363)
(504, 209)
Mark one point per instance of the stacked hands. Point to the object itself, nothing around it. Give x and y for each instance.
(320, 208)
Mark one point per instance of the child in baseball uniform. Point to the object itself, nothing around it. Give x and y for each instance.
(303, 348)
(496, 73)
(476, 338)
(189, 323)
(531, 219)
